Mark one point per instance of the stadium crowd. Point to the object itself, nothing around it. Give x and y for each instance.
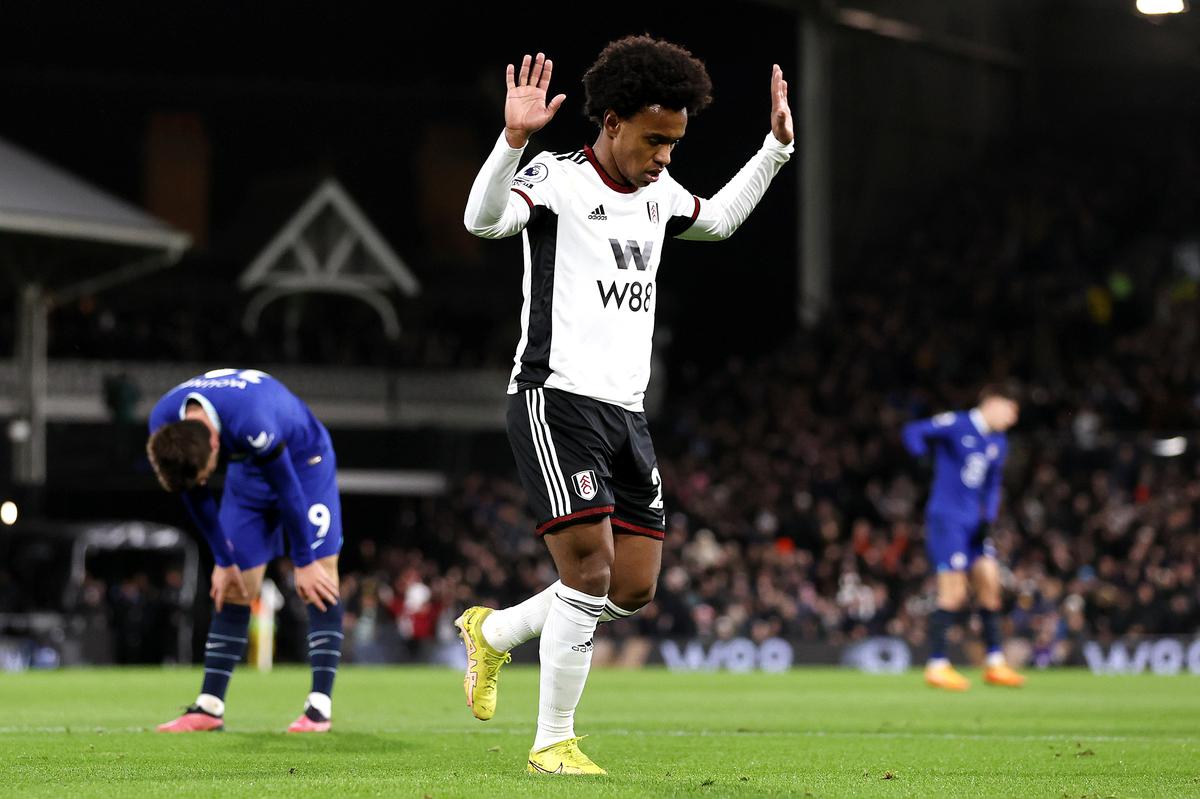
(794, 511)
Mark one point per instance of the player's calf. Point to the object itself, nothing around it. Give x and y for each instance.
(624, 601)
(325, 638)
(223, 650)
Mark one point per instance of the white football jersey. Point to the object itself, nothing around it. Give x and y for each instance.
(592, 249)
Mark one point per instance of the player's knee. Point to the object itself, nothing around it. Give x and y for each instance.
(953, 600)
(330, 565)
(632, 598)
(989, 601)
(593, 574)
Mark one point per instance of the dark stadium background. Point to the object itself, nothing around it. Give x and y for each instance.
(1083, 106)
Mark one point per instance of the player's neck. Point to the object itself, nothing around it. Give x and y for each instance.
(602, 149)
(980, 421)
(199, 414)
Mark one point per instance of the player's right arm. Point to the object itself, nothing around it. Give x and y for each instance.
(992, 487)
(918, 435)
(202, 507)
(493, 210)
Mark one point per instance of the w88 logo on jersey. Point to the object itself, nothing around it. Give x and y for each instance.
(634, 296)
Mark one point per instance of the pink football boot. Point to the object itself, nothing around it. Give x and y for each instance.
(306, 724)
(194, 720)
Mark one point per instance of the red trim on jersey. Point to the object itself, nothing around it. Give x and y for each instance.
(525, 197)
(637, 529)
(695, 211)
(604, 176)
(554, 524)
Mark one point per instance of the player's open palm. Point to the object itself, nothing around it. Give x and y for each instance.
(525, 108)
(781, 112)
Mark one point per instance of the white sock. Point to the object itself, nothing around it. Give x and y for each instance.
(322, 703)
(613, 613)
(211, 704)
(566, 653)
(995, 659)
(937, 663)
(510, 627)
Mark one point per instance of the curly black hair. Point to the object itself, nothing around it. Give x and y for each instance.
(639, 71)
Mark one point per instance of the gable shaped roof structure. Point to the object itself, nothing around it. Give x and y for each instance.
(329, 246)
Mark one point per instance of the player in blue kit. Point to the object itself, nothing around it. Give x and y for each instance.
(281, 478)
(968, 449)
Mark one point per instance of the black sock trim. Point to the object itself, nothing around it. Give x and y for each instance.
(620, 613)
(584, 607)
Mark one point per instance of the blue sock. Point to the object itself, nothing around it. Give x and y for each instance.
(939, 622)
(991, 630)
(225, 647)
(324, 646)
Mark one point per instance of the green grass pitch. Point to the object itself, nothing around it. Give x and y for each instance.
(405, 732)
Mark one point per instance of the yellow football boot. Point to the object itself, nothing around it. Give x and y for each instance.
(946, 678)
(483, 663)
(563, 757)
(1003, 675)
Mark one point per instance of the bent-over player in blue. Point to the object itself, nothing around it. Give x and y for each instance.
(280, 483)
(968, 450)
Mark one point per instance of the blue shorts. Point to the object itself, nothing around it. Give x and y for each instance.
(250, 516)
(954, 545)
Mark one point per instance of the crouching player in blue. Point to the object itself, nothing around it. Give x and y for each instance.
(280, 478)
(968, 449)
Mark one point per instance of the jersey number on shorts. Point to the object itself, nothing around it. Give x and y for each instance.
(320, 516)
(656, 480)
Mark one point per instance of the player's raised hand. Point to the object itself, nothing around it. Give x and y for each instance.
(227, 582)
(525, 108)
(316, 586)
(781, 112)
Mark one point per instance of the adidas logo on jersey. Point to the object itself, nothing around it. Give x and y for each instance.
(598, 214)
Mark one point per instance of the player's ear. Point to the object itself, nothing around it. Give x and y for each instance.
(612, 124)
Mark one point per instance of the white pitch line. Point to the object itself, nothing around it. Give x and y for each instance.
(71, 730)
(490, 731)
(947, 736)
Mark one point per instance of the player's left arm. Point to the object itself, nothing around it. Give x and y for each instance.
(277, 467)
(718, 217)
(313, 583)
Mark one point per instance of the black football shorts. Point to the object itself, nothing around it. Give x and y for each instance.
(581, 460)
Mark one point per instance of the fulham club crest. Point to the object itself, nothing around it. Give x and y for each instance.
(585, 484)
(652, 211)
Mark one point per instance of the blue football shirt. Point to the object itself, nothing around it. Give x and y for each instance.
(968, 464)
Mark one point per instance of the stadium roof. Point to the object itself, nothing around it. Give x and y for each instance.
(38, 198)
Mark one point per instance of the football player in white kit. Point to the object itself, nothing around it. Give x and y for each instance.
(593, 223)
